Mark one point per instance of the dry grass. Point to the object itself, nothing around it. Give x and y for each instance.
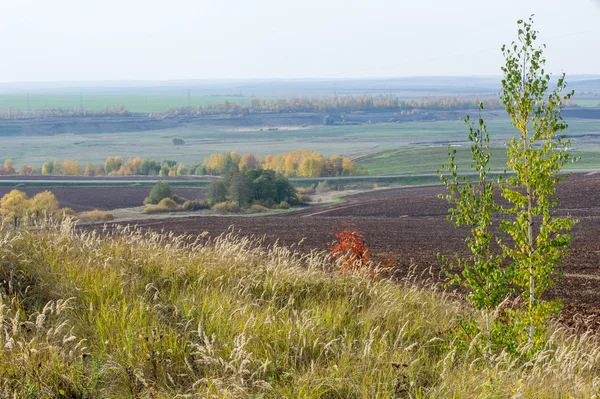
(131, 314)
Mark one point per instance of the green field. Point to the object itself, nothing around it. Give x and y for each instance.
(201, 141)
(416, 147)
(430, 159)
(133, 103)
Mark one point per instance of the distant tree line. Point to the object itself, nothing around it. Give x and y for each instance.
(109, 110)
(366, 103)
(331, 104)
(292, 164)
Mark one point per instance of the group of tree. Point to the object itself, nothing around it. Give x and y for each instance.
(16, 207)
(311, 164)
(7, 169)
(298, 163)
(292, 164)
(253, 186)
(515, 244)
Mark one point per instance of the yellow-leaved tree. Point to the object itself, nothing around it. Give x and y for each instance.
(14, 206)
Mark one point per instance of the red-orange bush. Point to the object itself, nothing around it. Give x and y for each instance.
(353, 255)
(351, 251)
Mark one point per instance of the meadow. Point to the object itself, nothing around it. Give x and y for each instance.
(382, 148)
(128, 314)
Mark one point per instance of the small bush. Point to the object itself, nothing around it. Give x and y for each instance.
(225, 207)
(97, 216)
(323, 187)
(303, 199)
(256, 208)
(193, 206)
(167, 203)
(151, 209)
(179, 200)
(65, 212)
(309, 190)
(354, 257)
(282, 205)
(267, 204)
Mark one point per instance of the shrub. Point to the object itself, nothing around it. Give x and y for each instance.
(167, 203)
(194, 205)
(151, 209)
(256, 208)
(282, 205)
(161, 190)
(303, 199)
(179, 200)
(65, 212)
(323, 187)
(225, 207)
(308, 190)
(97, 216)
(353, 256)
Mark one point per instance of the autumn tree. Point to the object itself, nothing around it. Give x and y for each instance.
(56, 167)
(112, 165)
(220, 164)
(14, 206)
(27, 170)
(8, 167)
(89, 170)
(47, 168)
(248, 161)
(149, 167)
(71, 168)
(43, 203)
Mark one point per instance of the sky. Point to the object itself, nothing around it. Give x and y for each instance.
(98, 40)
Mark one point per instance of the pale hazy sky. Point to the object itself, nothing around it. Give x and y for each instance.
(88, 40)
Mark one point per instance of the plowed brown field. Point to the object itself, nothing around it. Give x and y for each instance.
(410, 224)
(82, 199)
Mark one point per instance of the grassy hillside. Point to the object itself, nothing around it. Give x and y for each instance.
(134, 315)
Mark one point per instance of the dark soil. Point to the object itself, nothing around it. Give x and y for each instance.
(104, 198)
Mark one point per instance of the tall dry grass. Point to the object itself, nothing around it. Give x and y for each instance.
(133, 314)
